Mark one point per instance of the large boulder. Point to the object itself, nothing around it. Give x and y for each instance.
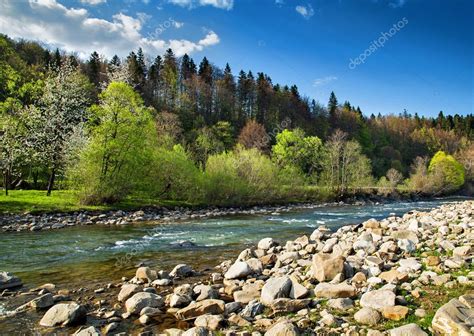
(8, 280)
(334, 291)
(141, 300)
(285, 328)
(211, 306)
(275, 288)
(64, 314)
(378, 299)
(325, 266)
(239, 269)
(455, 317)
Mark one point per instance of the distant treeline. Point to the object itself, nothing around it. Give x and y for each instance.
(55, 106)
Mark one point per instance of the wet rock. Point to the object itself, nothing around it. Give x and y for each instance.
(42, 302)
(64, 314)
(367, 316)
(8, 280)
(141, 300)
(378, 299)
(334, 291)
(325, 266)
(455, 317)
(277, 287)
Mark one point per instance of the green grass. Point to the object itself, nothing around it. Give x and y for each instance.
(36, 201)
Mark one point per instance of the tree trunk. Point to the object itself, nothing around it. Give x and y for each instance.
(6, 181)
(51, 181)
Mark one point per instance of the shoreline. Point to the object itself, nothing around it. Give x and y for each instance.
(163, 214)
(405, 264)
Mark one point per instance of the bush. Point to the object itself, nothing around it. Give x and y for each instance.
(241, 176)
(447, 173)
(174, 176)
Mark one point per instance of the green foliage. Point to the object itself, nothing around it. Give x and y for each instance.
(241, 176)
(294, 149)
(119, 152)
(174, 176)
(447, 172)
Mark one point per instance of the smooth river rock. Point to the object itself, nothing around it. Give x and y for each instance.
(64, 314)
(378, 299)
(141, 300)
(275, 288)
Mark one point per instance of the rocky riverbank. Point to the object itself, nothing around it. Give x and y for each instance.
(410, 275)
(54, 221)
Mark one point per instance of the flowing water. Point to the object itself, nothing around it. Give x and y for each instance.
(96, 254)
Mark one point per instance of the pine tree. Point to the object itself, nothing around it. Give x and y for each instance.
(332, 105)
(93, 69)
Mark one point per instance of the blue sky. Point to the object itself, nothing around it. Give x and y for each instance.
(424, 64)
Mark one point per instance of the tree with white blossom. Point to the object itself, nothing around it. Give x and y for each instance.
(54, 119)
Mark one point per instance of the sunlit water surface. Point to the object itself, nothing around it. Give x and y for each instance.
(91, 253)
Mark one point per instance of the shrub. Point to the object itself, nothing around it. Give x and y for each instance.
(447, 173)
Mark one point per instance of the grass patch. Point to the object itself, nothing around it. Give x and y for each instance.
(36, 201)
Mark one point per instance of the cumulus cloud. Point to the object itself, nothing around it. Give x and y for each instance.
(93, 2)
(221, 4)
(73, 30)
(324, 80)
(305, 11)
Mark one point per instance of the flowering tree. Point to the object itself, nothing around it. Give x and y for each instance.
(52, 122)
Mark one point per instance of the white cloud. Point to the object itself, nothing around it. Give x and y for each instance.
(93, 2)
(177, 24)
(221, 4)
(324, 80)
(73, 30)
(397, 3)
(305, 11)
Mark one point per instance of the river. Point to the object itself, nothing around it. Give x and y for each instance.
(96, 254)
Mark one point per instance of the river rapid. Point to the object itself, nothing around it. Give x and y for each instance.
(97, 254)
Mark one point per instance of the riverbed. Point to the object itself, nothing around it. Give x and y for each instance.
(97, 254)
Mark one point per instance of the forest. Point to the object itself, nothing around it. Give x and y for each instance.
(169, 128)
